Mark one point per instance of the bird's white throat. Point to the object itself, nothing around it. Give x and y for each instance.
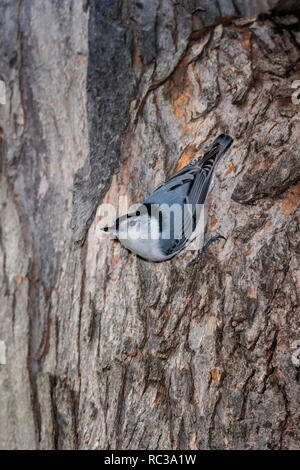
(140, 235)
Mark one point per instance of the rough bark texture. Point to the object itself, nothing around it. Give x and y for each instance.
(105, 350)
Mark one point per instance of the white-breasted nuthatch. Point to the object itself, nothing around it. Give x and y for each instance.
(166, 221)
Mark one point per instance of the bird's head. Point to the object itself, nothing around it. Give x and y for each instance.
(131, 226)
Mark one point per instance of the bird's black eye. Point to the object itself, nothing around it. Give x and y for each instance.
(105, 229)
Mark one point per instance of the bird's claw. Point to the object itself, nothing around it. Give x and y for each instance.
(201, 251)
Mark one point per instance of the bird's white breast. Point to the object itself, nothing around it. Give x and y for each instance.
(143, 239)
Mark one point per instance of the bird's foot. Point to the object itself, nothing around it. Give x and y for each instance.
(203, 249)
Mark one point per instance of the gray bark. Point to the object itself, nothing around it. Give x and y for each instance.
(100, 349)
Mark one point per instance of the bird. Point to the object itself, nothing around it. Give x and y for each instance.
(166, 221)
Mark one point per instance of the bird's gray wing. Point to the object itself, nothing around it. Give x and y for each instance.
(175, 189)
(188, 188)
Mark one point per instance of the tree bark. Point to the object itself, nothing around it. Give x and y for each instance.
(98, 348)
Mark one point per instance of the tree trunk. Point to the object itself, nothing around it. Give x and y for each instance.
(98, 348)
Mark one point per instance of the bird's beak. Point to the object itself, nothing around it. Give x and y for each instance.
(198, 9)
(112, 230)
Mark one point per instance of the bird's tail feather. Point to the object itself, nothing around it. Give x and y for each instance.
(219, 146)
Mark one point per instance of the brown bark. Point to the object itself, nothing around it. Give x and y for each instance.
(105, 350)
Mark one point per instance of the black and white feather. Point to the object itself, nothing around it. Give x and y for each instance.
(153, 232)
